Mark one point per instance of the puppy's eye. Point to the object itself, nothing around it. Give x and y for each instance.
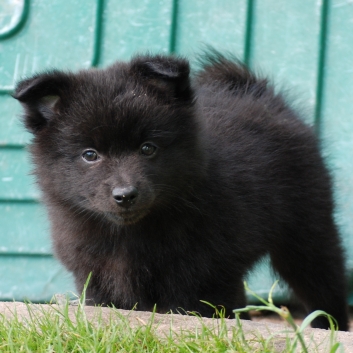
(90, 156)
(147, 149)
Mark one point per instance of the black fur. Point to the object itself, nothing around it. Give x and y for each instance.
(222, 172)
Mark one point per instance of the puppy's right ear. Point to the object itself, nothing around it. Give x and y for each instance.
(166, 74)
(41, 96)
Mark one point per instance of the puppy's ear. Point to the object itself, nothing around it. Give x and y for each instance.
(41, 98)
(166, 74)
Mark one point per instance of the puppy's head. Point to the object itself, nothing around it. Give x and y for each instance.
(118, 142)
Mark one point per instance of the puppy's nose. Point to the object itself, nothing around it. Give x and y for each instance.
(125, 197)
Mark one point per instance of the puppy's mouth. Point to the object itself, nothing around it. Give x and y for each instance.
(126, 217)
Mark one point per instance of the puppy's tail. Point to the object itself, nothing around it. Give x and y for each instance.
(231, 73)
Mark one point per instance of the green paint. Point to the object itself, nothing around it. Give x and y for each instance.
(15, 181)
(321, 64)
(98, 33)
(248, 33)
(221, 24)
(336, 124)
(16, 25)
(57, 34)
(34, 279)
(285, 47)
(134, 26)
(12, 131)
(24, 229)
(174, 26)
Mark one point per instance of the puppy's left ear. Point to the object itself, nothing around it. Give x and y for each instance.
(166, 74)
(41, 96)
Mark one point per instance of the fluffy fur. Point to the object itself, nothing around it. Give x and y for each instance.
(169, 188)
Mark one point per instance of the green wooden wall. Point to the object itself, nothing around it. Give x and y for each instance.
(305, 46)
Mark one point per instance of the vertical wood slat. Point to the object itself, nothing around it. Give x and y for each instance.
(286, 47)
(337, 114)
(134, 26)
(221, 24)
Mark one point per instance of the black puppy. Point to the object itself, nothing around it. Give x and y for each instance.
(169, 189)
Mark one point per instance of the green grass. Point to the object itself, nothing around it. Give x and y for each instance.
(57, 331)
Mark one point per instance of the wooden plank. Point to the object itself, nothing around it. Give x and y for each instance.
(132, 26)
(336, 124)
(15, 181)
(24, 229)
(221, 24)
(285, 45)
(58, 34)
(33, 278)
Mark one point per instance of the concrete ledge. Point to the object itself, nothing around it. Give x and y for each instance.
(316, 339)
